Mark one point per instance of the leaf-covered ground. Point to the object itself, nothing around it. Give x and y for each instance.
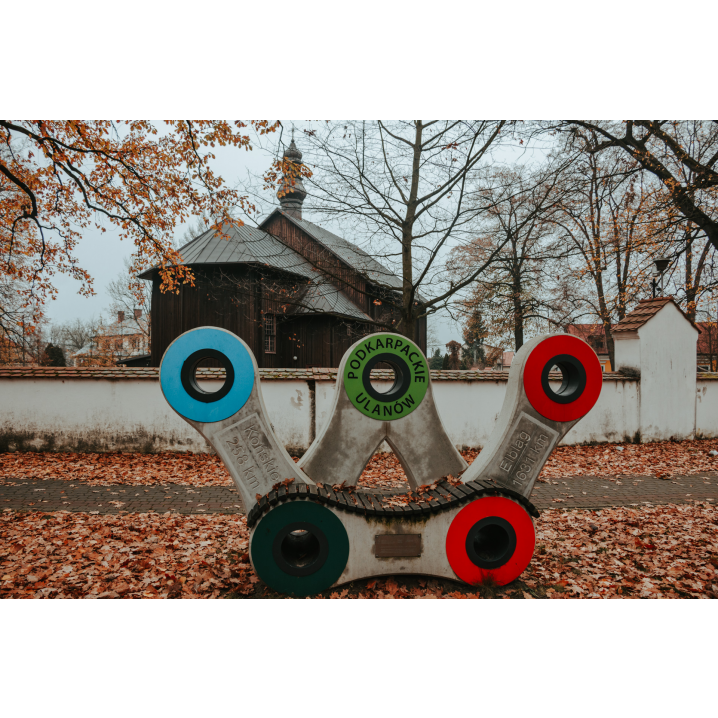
(117, 468)
(665, 458)
(663, 551)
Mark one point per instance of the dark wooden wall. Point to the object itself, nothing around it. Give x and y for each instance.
(206, 304)
(341, 274)
(236, 297)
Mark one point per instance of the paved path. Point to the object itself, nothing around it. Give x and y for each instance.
(593, 492)
(579, 492)
(53, 495)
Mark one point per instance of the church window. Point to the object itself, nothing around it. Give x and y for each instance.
(270, 334)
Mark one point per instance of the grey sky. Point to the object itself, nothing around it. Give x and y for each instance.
(104, 254)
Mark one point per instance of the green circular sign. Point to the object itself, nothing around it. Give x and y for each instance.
(300, 548)
(411, 373)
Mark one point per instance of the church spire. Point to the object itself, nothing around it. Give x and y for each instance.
(291, 202)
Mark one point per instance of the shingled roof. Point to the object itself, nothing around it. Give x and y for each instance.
(646, 309)
(349, 253)
(242, 244)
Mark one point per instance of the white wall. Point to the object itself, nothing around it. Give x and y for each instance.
(127, 412)
(615, 416)
(92, 415)
(289, 405)
(126, 415)
(627, 350)
(668, 376)
(130, 414)
(707, 409)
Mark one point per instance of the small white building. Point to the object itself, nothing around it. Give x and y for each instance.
(658, 342)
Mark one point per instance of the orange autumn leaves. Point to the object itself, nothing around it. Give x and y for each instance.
(60, 177)
(654, 552)
(137, 556)
(664, 458)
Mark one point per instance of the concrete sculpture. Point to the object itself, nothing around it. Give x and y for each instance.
(362, 418)
(311, 529)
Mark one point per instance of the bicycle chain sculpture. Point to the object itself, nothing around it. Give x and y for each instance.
(311, 529)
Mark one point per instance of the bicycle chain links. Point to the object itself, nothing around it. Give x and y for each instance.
(306, 537)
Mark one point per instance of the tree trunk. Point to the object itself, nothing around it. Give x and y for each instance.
(518, 316)
(610, 345)
(408, 311)
(605, 316)
(691, 286)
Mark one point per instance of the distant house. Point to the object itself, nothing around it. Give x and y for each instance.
(506, 359)
(125, 341)
(296, 293)
(595, 336)
(707, 346)
(497, 359)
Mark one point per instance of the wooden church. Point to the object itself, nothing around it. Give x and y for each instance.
(298, 294)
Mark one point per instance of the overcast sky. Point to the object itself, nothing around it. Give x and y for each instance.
(104, 254)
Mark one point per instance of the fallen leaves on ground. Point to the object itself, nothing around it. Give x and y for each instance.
(666, 458)
(383, 472)
(654, 552)
(662, 458)
(117, 468)
(63, 555)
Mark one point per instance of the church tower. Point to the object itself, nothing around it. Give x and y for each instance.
(292, 201)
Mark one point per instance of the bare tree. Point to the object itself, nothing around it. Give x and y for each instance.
(692, 271)
(682, 155)
(74, 335)
(407, 187)
(15, 322)
(605, 219)
(517, 288)
(693, 274)
(131, 295)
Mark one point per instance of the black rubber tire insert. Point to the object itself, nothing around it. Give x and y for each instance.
(574, 379)
(313, 543)
(491, 542)
(189, 382)
(402, 377)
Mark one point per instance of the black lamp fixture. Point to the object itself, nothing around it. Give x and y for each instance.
(660, 266)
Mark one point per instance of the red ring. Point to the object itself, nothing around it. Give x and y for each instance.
(542, 353)
(506, 509)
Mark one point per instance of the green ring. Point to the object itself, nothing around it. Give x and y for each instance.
(391, 406)
(299, 511)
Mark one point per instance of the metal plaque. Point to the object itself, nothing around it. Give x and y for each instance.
(397, 545)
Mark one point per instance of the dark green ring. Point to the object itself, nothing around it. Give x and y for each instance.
(262, 548)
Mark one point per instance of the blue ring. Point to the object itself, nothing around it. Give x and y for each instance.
(171, 369)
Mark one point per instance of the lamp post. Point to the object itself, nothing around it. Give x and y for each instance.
(658, 271)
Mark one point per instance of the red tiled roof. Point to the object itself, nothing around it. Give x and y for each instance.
(119, 372)
(592, 334)
(586, 330)
(646, 309)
